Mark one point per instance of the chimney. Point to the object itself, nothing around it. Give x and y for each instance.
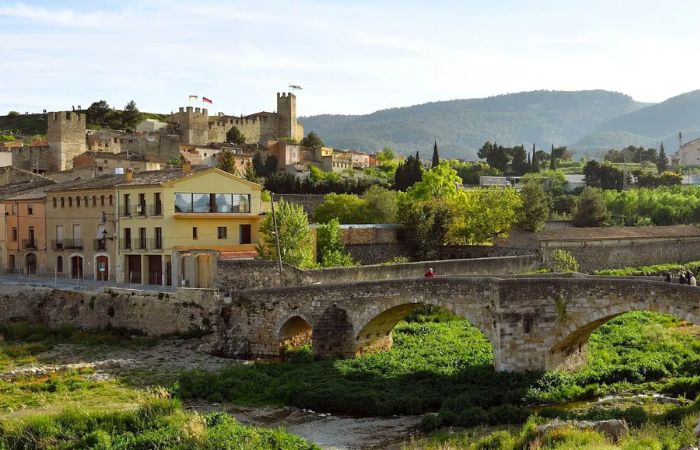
(129, 175)
(186, 166)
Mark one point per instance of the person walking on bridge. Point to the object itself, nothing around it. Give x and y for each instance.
(429, 273)
(681, 278)
(691, 279)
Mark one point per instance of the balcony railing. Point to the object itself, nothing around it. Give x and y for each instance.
(100, 244)
(73, 244)
(29, 244)
(57, 244)
(142, 210)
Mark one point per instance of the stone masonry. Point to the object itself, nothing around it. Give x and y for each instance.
(536, 323)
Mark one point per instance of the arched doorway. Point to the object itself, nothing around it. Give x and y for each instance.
(76, 267)
(295, 333)
(31, 264)
(102, 268)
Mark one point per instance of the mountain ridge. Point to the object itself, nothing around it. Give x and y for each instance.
(584, 120)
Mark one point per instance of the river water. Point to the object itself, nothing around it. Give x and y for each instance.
(328, 431)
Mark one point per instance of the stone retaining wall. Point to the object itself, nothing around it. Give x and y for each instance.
(149, 313)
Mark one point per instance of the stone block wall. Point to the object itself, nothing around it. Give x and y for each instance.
(621, 254)
(149, 313)
(308, 201)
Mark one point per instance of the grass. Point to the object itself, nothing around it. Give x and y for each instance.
(656, 269)
(71, 409)
(158, 423)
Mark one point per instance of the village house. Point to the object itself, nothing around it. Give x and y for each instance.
(172, 222)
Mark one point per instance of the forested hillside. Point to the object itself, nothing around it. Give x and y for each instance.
(462, 126)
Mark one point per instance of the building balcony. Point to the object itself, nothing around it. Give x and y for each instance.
(100, 244)
(142, 210)
(57, 244)
(73, 244)
(29, 244)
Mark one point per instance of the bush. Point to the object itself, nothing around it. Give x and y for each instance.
(563, 261)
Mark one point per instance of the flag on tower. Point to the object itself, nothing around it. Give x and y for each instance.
(295, 86)
(193, 97)
(206, 100)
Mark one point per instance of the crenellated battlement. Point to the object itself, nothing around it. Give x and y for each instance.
(67, 115)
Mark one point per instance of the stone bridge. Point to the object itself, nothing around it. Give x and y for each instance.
(533, 323)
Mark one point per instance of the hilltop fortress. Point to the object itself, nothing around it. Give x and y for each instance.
(68, 136)
(195, 127)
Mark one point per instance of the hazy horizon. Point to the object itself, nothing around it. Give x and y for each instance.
(350, 59)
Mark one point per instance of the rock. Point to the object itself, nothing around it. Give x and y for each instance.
(615, 429)
(697, 429)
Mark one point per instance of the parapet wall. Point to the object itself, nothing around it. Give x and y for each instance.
(240, 275)
(149, 313)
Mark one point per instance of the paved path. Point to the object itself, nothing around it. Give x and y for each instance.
(81, 285)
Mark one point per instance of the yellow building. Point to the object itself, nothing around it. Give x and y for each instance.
(81, 228)
(172, 222)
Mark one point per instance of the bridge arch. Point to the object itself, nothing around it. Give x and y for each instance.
(295, 332)
(373, 327)
(568, 348)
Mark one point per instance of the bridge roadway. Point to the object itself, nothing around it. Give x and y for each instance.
(532, 322)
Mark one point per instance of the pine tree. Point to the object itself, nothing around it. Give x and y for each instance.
(519, 162)
(436, 157)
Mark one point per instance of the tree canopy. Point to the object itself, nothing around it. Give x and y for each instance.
(312, 140)
(296, 241)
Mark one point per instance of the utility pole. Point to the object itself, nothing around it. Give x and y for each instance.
(277, 236)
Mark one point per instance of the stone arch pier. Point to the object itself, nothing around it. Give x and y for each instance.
(533, 323)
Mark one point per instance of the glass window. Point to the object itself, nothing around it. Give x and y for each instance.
(221, 232)
(200, 203)
(183, 202)
(223, 203)
(241, 203)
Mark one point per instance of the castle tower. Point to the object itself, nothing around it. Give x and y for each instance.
(66, 138)
(287, 117)
(192, 124)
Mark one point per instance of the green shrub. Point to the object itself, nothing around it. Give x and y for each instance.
(563, 261)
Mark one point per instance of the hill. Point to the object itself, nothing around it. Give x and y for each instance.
(462, 126)
(34, 124)
(651, 125)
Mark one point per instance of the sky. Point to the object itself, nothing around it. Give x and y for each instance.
(350, 56)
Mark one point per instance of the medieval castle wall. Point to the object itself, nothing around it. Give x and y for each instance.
(194, 128)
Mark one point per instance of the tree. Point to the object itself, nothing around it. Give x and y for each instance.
(496, 156)
(439, 182)
(227, 162)
(386, 156)
(259, 165)
(330, 249)
(552, 160)
(347, 208)
(381, 205)
(270, 165)
(12, 115)
(408, 173)
(97, 113)
(235, 136)
(535, 206)
(519, 164)
(131, 116)
(471, 172)
(436, 156)
(662, 160)
(312, 141)
(295, 239)
(591, 210)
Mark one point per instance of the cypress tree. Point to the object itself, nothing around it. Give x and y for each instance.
(552, 163)
(436, 157)
(529, 163)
